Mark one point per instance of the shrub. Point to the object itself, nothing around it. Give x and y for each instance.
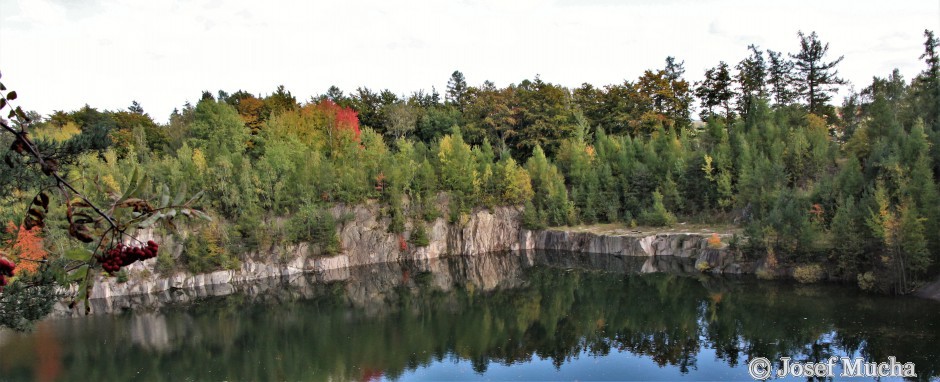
(702, 266)
(714, 241)
(808, 274)
(657, 215)
(866, 280)
(317, 226)
(165, 264)
(532, 218)
(205, 251)
(122, 276)
(419, 236)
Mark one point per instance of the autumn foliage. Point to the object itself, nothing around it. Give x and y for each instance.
(340, 118)
(714, 241)
(27, 244)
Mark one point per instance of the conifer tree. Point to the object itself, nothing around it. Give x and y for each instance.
(814, 77)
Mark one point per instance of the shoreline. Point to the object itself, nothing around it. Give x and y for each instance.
(365, 241)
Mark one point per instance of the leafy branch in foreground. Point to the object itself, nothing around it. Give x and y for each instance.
(102, 229)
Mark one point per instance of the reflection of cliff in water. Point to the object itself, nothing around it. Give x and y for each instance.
(503, 308)
(372, 284)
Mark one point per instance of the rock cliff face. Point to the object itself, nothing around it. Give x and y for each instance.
(632, 243)
(365, 240)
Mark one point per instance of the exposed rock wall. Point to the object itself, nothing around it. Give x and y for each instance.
(653, 244)
(682, 245)
(365, 240)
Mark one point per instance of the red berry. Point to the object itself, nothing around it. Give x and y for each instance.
(6, 267)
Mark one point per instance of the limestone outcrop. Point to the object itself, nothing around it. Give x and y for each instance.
(365, 240)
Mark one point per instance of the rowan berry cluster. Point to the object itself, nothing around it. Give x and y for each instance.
(6, 270)
(121, 256)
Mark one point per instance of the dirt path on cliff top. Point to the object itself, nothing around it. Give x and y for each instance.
(619, 229)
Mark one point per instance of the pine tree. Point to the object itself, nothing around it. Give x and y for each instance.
(848, 237)
(779, 78)
(715, 91)
(752, 80)
(814, 77)
(457, 90)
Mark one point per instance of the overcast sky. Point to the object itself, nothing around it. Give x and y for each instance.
(62, 54)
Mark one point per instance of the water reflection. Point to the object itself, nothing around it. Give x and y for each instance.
(536, 314)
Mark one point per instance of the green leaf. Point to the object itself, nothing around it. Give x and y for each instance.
(202, 215)
(134, 186)
(165, 198)
(195, 198)
(149, 222)
(11, 95)
(3, 103)
(79, 274)
(180, 196)
(83, 289)
(80, 254)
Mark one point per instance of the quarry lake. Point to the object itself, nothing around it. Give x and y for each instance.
(511, 316)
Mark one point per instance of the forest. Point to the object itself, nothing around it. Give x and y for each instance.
(846, 191)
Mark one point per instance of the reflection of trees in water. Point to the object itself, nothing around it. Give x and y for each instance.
(503, 309)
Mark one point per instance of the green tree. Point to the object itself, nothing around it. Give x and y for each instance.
(815, 78)
(751, 79)
(664, 98)
(400, 119)
(715, 91)
(657, 215)
(457, 90)
(926, 95)
(550, 203)
(280, 101)
(458, 172)
(850, 237)
(491, 112)
(544, 116)
(217, 128)
(780, 78)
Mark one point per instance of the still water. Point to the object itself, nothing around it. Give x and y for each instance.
(520, 316)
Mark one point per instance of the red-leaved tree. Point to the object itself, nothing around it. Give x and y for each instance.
(342, 118)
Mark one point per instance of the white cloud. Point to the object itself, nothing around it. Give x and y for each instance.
(62, 54)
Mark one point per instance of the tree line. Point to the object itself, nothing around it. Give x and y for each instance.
(850, 187)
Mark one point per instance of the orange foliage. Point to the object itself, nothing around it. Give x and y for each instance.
(251, 110)
(714, 241)
(590, 152)
(28, 246)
